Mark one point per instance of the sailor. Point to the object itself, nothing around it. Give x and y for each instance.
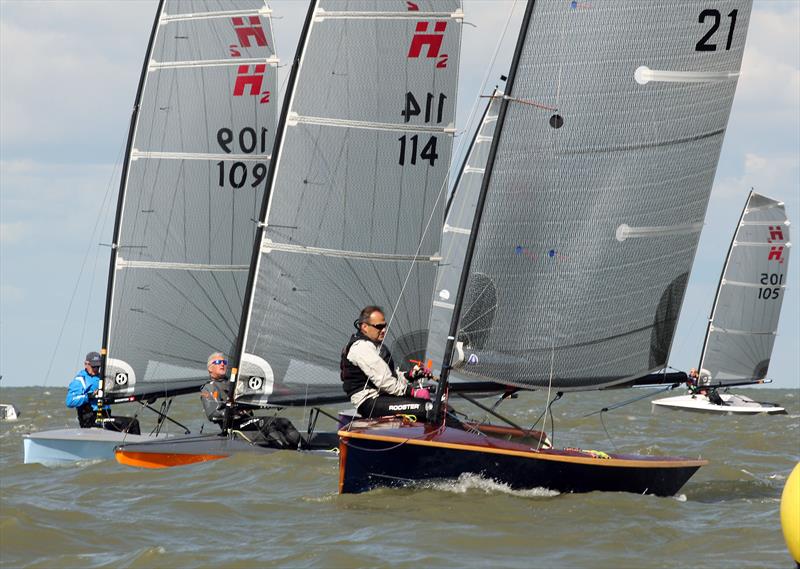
(264, 431)
(369, 376)
(82, 396)
(697, 382)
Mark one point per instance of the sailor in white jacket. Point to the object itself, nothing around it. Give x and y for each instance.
(369, 376)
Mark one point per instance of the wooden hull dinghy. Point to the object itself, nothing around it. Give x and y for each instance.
(394, 452)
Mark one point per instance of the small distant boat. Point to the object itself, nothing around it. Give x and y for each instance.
(8, 412)
(744, 319)
(198, 148)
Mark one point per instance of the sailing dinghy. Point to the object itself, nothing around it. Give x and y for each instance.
(744, 318)
(591, 203)
(361, 160)
(198, 152)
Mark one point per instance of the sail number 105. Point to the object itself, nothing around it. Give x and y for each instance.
(770, 292)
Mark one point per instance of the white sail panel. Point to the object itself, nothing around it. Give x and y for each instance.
(455, 237)
(744, 320)
(361, 165)
(194, 182)
(585, 149)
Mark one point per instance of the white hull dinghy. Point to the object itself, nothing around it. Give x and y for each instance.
(744, 318)
(69, 445)
(731, 405)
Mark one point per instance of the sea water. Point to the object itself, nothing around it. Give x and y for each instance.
(283, 510)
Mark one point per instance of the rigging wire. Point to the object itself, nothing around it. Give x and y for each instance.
(602, 422)
(100, 218)
(549, 389)
(458, 152)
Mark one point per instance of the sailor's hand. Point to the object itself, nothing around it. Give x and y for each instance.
(419, 373)
(420, 393)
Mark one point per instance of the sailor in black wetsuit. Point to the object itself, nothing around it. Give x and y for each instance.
(369, 376)
(263, 431)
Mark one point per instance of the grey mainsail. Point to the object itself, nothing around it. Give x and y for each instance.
(744, 318)
(596, 189)
(358, 177)
(455, 237)
(201, 134)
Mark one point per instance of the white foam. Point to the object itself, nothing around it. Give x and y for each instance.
(467, 482)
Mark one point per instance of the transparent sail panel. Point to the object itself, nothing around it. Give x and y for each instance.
(361, 166)
(456, 232)
(598, 191)
(195, 181)
(745, 317)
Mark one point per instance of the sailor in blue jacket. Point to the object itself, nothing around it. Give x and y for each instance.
(82, 390)
(82, 396)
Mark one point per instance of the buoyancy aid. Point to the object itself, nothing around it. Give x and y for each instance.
(353, 378)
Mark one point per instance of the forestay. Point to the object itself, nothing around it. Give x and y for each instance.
(192, 185)
(359, 171)
(598, 189)
(744, 319)
(455, 237)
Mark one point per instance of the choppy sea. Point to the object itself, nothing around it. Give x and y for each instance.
(283, 510)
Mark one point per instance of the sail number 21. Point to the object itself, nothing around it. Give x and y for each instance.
(703, 44)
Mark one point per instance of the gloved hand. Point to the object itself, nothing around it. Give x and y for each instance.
(418, 372)
(420, 393)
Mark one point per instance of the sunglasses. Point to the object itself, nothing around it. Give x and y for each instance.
(379, 326)
(219, 362)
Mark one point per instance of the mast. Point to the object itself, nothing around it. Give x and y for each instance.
(719, 284)
(434, 416)
(118, 218)
(244, 321)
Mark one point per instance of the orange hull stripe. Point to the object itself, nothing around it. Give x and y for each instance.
(614, 462)
(162, 460)
(342, 462)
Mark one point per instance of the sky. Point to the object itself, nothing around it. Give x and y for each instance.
(68, 76)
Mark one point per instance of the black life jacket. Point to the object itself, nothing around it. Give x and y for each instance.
(353, 378)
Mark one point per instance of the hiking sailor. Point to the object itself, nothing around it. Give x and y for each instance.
(82, 396)
(263, 431)
(697, 382)
(369, 376)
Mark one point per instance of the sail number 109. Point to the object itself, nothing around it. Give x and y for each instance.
(238, 174)
(770, 292)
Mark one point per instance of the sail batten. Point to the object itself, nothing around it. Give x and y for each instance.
(157, 65)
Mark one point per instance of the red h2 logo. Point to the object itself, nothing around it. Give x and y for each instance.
(244, 32)
(776, 254)
(433, 42)
(775, 233)
(253, 80)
